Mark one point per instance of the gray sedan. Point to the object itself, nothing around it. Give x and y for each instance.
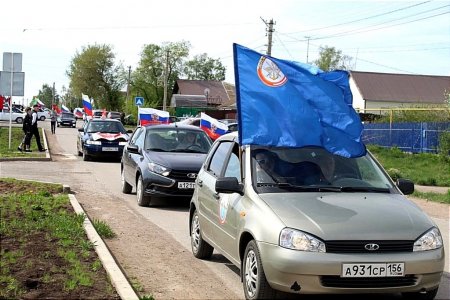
(305, 221)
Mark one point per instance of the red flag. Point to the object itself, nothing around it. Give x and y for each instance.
(56, 108)
(1, 102)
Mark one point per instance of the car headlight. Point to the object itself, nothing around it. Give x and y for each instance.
(122, 143)
(298, 240)
(89, 142)
(430, 240)
(158, 169)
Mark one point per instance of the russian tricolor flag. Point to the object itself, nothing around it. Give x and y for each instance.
(64, 108)
(213, 127)
(87, 105)
(151, 116)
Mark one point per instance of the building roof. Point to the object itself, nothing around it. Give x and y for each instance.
(215, 91)
(426, 89)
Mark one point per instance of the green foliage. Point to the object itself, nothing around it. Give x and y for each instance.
(202, 67)
(94, 72)
(444, 145)
(422, 114)
(421, 168)
(46, 95)
(436, 197)
(103, 229)
(331, 59)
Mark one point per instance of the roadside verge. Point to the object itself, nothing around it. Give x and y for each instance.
(118, 279)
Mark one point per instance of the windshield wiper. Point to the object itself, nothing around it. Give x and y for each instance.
(187, 151)
(364, 189)
(156, 149)
(305, 188)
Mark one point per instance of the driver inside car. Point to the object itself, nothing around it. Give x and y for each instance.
(189, 141)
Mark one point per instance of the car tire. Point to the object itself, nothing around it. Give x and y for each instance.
(429, 295)
(57, 125)
(126, 187)
(19, 120)
(254, 279)
(142, 198)
(200, 248)
(42, 118)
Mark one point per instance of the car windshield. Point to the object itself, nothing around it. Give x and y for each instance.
(67, 116)
(105, 126)
(315, 169)
(177, 140)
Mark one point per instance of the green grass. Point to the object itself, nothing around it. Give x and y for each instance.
(16, 139)
(421, 168)
(38, 212)
(435, 197)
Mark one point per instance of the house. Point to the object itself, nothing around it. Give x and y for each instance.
(192, 96)
(385, 90)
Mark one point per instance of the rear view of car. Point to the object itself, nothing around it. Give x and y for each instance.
(114, 115)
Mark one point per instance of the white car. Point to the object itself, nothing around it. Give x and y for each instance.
(15, 117)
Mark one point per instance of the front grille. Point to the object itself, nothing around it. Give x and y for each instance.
(377, 282)
(182, 175)
(358, 246)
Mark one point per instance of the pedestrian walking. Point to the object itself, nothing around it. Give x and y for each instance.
(35, 129)
(53, 117)
(26, 127)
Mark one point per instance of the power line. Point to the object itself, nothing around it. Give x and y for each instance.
(362, 19)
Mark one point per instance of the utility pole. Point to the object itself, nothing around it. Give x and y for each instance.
(128, 88)
(269, 30)
(166, 70)
(307, 49)
(53, 95)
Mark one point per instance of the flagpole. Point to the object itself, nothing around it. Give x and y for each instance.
(10, 99)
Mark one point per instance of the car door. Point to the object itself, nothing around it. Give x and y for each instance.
(130, 160)
(227, 207)
(209, 200)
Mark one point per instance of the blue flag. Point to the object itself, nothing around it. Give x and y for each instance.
(289, 104)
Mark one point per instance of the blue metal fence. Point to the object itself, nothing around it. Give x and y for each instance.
(410, 137)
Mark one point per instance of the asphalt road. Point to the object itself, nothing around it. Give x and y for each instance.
(104, 177)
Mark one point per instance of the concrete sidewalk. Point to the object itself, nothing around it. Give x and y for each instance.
(432, 189)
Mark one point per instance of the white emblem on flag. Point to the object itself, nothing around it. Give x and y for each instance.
(269, 73)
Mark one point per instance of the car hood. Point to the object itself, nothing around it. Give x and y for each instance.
(178, 161)
(355, 216)
(108, 136)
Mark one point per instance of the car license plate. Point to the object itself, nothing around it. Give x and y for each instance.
(373, 270)
(110, 149)
(186, 185)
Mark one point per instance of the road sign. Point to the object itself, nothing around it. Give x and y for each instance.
(138, 101)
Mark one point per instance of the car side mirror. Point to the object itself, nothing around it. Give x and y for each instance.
(81, 129)
(129, 131)
(229, 185)
(133, 149)
(406, 186)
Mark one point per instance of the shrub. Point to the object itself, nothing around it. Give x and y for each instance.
(394, 173)
(444, 144)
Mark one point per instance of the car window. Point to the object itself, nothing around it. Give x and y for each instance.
(218, 159)
(140, 140)
(135, 136)
(234, 167)
(177, 140)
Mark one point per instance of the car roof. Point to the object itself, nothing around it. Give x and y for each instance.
(104, 120)
(232, 136)
(173, 126)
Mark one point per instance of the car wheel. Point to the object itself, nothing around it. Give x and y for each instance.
(19, 120)
(200, 248)
(429, 295)
(142, 198)
(126, 187)
(42, 118)
(254, 281)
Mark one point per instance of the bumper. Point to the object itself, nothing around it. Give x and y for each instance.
(319, 273)
(104, 150)
(158, 185)
(67, 123)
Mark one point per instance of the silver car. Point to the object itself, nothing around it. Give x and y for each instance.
(305, 221)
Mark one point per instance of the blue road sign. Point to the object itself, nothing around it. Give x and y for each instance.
(138, 101)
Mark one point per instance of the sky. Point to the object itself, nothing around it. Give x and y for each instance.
(405, 37)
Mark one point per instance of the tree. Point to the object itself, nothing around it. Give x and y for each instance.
(331, 59)
(93, 72)
(148, 78)
(46, 94)
(202, 67)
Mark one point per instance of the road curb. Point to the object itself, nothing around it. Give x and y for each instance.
(118, 279)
